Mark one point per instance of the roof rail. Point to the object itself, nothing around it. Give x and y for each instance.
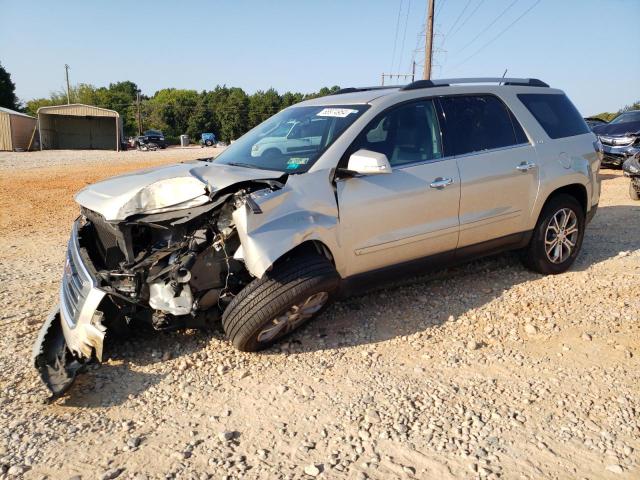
(364, 89)
(445, 82)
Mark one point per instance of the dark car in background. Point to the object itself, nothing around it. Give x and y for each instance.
(155, 137)
(594, 122)
(620, 137)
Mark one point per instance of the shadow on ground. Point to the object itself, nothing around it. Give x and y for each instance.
(384, 313)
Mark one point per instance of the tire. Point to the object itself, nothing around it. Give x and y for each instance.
(634, 190)
(535, 256)
(254, 321)
(208, 143)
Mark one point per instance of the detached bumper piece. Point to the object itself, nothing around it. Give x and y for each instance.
(56, 365)
(73, 333)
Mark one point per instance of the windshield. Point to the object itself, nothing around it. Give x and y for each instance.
(627, 117)
(153, 132)
(292, 140)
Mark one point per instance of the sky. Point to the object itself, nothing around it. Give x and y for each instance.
(588, 48)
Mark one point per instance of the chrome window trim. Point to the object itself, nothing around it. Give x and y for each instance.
(423, 162)
(470, 154)
(492, 150)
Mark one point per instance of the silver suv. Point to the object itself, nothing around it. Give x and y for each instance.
(366, 183)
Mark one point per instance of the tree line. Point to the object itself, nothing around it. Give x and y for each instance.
(228, 112)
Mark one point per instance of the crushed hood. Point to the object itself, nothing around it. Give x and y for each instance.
(158, 189)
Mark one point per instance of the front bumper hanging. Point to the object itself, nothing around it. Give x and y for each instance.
(73, 333)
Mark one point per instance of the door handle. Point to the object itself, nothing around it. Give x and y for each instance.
(440, 182)
(526, 166)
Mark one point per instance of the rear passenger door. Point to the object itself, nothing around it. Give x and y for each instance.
(498, 168)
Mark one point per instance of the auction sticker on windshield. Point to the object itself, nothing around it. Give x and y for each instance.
(336, 112)
(295, 162)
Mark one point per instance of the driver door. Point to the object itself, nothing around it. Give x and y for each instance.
(410, 213)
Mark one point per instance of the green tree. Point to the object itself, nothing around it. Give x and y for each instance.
(233, 114)
(227, 112)
(169, 110)
(8, 97)
(262, 105)
(322, 92)
(290, 98)
(32, 106)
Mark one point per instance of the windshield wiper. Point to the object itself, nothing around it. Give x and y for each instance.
(250, 165)
(245, 165)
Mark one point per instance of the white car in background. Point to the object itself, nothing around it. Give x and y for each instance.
(291, 137)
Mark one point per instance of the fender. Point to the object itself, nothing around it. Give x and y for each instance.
(304, 209)
(556, 178)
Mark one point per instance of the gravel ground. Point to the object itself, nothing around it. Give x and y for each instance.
(481, 371)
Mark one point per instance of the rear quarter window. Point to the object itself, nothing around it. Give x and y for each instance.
(555, 113)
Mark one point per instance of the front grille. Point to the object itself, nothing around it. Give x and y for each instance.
(76, 283)
(615, 141)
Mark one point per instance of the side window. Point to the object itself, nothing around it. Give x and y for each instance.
(479, 122)
(407, 134)
(555, 113)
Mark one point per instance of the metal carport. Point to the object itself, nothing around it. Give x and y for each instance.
(16, 129)
(79, 127)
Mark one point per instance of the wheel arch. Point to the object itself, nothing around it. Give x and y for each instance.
(576, 190)
(308, 246)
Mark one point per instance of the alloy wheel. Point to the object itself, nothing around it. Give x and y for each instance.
(561, 236)
(293, 317)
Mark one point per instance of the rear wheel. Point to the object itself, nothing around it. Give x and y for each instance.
(634, 190)
(208, 143)
(271, 307)
(557, 238)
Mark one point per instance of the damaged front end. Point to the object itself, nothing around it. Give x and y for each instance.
(168, 267)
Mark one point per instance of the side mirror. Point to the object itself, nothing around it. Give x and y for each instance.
(366, 162)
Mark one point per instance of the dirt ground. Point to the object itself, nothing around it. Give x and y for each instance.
(481, 371)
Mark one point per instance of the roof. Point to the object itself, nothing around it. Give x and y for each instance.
(78, 109)
(352, 98)
(355, 96)
(13, 112)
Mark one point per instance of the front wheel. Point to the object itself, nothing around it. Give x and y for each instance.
(557, 238)
(271, 307)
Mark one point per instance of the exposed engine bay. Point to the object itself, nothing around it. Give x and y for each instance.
(179, 264)
(170, 269)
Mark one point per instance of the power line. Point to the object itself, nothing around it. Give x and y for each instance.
(404, 35)
(467, 19)
(439, 8)
(490, 24)
(395, 41)
(499, 35)
(458, 19)
(422, 31)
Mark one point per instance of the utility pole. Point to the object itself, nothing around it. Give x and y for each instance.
(138, 116)
(428, 41)
(66, 69)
